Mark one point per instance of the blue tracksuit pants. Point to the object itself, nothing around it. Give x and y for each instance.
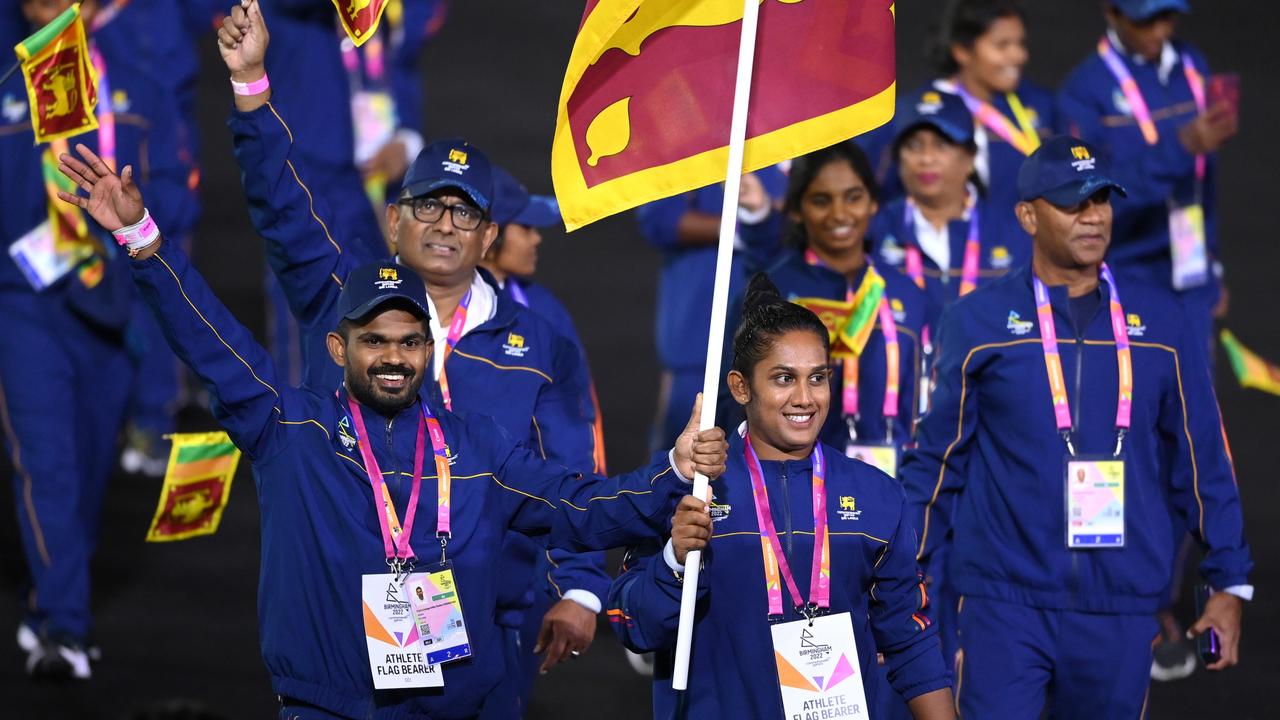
(64, 387)
(1017, 660)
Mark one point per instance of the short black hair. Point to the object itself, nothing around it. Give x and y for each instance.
(804, 169)
(765, 318)
(962, 22)
(345, 325)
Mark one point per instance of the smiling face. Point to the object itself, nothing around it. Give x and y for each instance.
(384, 360)
(438, 251)
(994, 62)
(787, 397)
(835, 210)
(932, 167)
(1070, 238)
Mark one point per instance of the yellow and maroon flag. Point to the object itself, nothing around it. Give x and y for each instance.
(646, 103)
(197, 485)
(360, 18)
(1250, 368)
(61, 85)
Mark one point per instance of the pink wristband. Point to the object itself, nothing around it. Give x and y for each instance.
(257, 87)
(139, 235)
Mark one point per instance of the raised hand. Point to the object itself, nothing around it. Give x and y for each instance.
(243, 41)
(113, 200)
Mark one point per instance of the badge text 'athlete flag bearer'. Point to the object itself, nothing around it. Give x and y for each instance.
(62, 88)
(647, 98)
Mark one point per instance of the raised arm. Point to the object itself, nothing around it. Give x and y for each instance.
(202, 332)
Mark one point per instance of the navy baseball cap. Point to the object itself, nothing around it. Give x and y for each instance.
(512, 203)
(373, 284)
(942, 111)
(453, 163)
(1139, 10)
(1065, 171)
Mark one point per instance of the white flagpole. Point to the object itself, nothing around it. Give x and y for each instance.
(719, 303)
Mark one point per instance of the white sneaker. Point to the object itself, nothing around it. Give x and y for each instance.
(642, 664)
(54, 661)
(28, 641)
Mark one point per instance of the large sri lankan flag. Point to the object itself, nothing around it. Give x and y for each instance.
(197, 485)
(646, 102)
(62, 88)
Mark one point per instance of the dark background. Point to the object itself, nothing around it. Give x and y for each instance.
(179, 620)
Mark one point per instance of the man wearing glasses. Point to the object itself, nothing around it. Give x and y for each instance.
(494, 356)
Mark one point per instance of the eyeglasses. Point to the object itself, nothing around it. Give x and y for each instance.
(429, 210)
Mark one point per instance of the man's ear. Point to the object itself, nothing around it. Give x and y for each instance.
(393, 227)
(739, 387)
(337, 346)
(490, 235)
(1026, 213)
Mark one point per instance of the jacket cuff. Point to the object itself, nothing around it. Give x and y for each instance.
(585, 598)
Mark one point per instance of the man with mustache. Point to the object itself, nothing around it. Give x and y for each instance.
(338, 468)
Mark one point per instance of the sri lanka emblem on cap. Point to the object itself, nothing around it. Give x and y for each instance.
(930, 103)
(388, 279)
(1083, 160)
(457, 162)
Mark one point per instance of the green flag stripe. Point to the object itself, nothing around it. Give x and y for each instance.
(46, 34)
(196, 453)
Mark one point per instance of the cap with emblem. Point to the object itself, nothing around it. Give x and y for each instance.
(372, 284)
(1065, 171)
(1142, 10)
(942, 111)
(512, 203)
(453, 163)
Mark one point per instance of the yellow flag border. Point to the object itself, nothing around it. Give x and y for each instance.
(373, 27)
(581, 205)
(181, 440)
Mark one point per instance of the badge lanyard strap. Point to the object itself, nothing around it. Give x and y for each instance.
(517, 293)
(106, 117)
(455, 332)
(374, 64)
(1138, 104)
(1025, 139)
(395, 539)
(775, 561)
(850, 369)
(972, 249)
(444, 478)
(1053, 362)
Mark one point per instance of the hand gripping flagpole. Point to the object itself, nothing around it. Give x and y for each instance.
(719, 303)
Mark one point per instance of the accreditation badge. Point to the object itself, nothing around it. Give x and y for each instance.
(40, 259)
(1188, 247)
(374, 117)
(397, 658)
(818, 670)
(1095, 502)
(437, 614)
(881, 456)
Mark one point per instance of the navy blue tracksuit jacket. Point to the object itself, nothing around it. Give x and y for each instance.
(542, 397)
(873, 576)
(320, 530)
(988, 465)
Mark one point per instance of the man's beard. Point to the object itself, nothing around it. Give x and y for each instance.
(365, 390)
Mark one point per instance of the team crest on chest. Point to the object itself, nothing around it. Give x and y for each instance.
(849, 508)
(891, 251)
(1134, 325)
(1017, 325)
(719, 512)
(515, 346)
(345, 435)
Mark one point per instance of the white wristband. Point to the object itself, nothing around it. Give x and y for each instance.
(139, 235)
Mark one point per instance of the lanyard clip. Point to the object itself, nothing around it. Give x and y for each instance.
(444, 542)
(852, 422)
(1071, 448)
(809, 611)
(1120, 433)
(888, 431)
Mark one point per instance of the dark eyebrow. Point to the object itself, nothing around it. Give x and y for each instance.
(793, 371)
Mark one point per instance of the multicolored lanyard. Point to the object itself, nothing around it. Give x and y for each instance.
(455, 332)
(1053, 361)
(395, 539)
(105, 113)
(1138, 104)
(1024, 138)
(517, 293)
(972, 248)
(775, 561)
(892, 355)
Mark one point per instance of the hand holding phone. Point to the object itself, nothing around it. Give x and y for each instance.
(1224, 89)
(1217, 628)
(1207, 645)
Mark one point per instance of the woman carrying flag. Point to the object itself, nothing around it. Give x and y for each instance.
(762, 651)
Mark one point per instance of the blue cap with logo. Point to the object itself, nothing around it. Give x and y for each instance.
(1065, 171)
(512, 203)
(373, 284)
(1140, 10)
(942, 111)
(453, 163)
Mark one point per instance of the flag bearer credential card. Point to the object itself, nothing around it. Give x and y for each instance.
(397, 657)
(818, 669)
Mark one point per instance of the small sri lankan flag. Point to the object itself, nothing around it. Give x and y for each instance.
(360, 18)
(61, 85)
(1251, 370)
(197, 485)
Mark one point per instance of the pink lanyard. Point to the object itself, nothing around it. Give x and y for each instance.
(106, 117)
(517, 293)
(850, 369)
(972, 249)
(1138, 104)
(775, 561)
(1053, 361)
(1025, 140)
(455, 332)
(395, 539)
